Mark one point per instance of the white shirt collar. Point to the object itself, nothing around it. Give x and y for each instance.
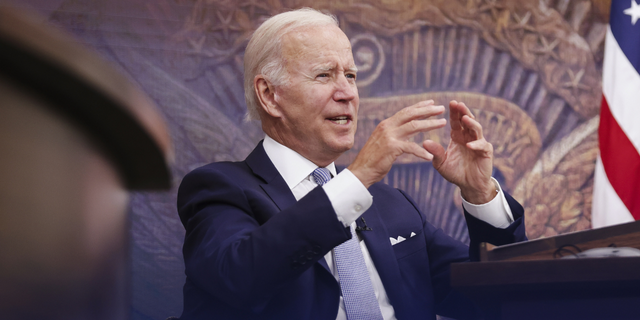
(291, 165)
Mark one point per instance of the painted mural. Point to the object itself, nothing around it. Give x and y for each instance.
(530, 71)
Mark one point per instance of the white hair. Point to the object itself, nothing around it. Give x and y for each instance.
(264, 51)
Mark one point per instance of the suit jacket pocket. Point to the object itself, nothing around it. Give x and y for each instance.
(409, 246)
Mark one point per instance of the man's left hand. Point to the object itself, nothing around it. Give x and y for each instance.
(468, 160)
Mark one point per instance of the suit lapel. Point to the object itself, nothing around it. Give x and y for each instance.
(383, 256)
(273, 183)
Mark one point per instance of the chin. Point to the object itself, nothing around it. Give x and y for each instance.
(339, 144)
(342, 147)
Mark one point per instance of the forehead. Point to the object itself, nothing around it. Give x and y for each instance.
(316, 42)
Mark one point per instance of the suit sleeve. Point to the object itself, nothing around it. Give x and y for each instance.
(444, 250)
(480, 231)
(233, 257)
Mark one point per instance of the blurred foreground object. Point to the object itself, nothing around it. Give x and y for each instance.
(74, 135)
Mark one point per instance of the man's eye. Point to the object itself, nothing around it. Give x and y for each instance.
(323, 75)
(351, 76)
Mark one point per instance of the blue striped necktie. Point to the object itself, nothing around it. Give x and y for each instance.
(357, 291)
(321, 175)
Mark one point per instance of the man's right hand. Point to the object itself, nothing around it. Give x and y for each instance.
(390, 139)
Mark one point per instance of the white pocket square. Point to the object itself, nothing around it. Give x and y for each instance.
(395, 241)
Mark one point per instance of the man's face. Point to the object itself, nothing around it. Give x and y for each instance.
(319, 104)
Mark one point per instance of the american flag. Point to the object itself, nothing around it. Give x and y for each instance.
(616, 194)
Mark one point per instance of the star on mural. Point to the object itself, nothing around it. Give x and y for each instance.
(547, 49)
(634, 12)
(522, 24)
(493, 6)
(224, 24)
(197, 45)
(574, 82)
(253, 4)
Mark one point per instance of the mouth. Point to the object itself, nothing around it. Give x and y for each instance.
(340, 119)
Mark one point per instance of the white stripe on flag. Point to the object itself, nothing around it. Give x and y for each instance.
(607, 208)
(621, 87)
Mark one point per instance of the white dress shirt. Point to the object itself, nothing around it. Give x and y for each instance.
(350, 199)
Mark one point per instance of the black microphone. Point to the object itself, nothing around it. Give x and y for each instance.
(363, 228)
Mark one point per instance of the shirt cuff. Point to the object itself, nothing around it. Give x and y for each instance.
(348, 196)
(495, 212)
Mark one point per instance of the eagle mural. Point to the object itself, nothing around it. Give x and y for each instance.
(529, 70)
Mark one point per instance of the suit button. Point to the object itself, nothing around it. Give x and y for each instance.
(358, 208)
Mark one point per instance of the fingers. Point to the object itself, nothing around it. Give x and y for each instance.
(472, 128)
(475, 136)
(464, 125)
(436, 150)
(481, 146)
(459, 109)
(416, 118)
(416, 126)
(419, 111)
(456, 111)
(414, 149)
(390, 140)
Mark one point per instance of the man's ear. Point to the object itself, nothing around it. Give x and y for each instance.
(266, 94)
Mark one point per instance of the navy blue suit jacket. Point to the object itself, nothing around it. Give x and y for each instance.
(252, 252)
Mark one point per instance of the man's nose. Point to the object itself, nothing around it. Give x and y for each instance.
(346, 89)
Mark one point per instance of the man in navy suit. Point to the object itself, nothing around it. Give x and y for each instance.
(262, 237)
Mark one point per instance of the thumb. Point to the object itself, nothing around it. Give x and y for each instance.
(436, 150)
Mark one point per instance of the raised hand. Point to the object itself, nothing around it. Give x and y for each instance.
(468, 160)
(390, 139)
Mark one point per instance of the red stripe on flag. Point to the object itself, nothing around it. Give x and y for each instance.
(620, 160)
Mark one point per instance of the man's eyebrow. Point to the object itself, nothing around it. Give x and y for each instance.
(325, 68)
(331, 67)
